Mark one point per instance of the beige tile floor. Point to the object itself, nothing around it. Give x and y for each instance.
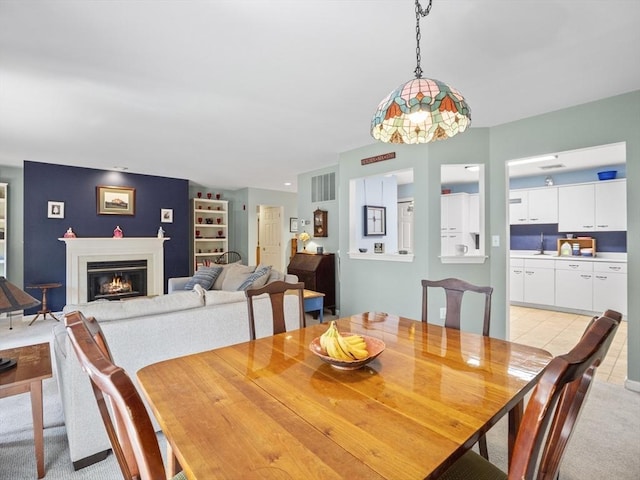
(557, 332)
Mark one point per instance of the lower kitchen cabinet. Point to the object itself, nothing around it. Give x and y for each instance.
(569, 284)
(610, 287)
(574, 285)
(539, 282)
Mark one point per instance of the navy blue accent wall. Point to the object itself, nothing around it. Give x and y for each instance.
(527, 237)
(45, 255)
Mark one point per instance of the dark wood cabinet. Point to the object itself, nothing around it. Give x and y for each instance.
(318, 272)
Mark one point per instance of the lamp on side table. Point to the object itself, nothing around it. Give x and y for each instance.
(11, 300)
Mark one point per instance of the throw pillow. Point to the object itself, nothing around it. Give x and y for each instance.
(205, 277)
(257, 279)
(235, 275)
(217, 285)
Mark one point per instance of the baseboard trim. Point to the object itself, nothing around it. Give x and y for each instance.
(90, 460)
(632, 385)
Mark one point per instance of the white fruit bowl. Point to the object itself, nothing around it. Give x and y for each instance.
(375, 347)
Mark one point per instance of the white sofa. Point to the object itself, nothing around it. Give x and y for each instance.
(143, 331)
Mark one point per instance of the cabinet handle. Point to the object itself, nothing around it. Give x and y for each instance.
(602, 226)
(521, 219)
(534, 219)
(585, 276)
(615, 268)
(601, 277)
(587, 226)
(529, 272)
(573, 265)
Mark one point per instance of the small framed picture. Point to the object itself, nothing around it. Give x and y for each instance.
(166, 215)
(375, 221)
(293, 224)
(116, 200)
(55, 209)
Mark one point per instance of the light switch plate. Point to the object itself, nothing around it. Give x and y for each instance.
(495, 240)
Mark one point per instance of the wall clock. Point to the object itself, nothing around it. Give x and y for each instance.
(375, 220)
(320, 223)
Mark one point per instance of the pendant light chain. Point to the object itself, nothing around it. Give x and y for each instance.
(420, 12)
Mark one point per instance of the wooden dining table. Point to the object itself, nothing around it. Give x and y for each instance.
(270, 408)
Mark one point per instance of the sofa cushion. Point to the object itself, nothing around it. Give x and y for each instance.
(256, 279)
(236, 274)
(205, 277)
(217, 285)
(105, 310)
(219, 297)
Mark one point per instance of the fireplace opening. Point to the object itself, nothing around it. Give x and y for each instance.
(114, 280)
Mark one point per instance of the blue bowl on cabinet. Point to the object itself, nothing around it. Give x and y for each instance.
(607, 175)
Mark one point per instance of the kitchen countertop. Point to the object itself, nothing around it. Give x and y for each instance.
(553, 255)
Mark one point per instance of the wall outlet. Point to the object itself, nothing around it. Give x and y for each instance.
(443, 313)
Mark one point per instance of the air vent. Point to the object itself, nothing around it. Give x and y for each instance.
(552, 167)
(323, 187)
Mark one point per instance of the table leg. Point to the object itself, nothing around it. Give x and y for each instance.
(515, 418)
(38, 425)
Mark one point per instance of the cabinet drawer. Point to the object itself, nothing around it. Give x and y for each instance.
(517, 262)
(610, 267)
(575, 266)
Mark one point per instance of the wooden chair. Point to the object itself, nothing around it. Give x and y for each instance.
(276, 291)
(130, 431)
(228, 257)
(555, 403)
(455, 289)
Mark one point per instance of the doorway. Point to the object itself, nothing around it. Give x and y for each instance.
(269, 248)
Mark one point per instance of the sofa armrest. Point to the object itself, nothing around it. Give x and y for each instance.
(177, 284)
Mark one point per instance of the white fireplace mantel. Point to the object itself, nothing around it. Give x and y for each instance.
(81, 251)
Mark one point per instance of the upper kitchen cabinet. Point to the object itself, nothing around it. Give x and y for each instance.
(533, 206)
(593, 207)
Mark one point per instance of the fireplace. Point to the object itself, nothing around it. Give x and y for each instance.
(82, 251)
(113, 280)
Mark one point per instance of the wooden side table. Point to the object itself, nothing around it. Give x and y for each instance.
(33, 366)
(45, 309)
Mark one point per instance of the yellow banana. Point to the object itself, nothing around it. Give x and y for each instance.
(352, 347)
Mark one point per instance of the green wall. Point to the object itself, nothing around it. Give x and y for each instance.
(394, 287)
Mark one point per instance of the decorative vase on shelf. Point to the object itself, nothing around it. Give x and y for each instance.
(117, 232)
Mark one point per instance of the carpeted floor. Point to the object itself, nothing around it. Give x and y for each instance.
(605, 443)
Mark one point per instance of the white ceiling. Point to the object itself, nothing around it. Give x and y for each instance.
(251, 93)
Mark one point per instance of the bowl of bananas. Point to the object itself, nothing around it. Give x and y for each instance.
(344, 350)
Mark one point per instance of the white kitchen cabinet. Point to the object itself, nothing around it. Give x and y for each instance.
(611, 205)
(610, 287)
(516, 280)
(533, 206)
(593, 207)
(454, 223)
(574, 284)
(539, 281)
(474, 213)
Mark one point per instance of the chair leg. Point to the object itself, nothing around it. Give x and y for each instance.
(482, 446)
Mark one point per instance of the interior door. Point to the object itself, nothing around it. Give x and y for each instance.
(269, 237)
(405, 226)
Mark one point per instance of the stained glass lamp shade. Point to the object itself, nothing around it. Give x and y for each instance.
(421, 110)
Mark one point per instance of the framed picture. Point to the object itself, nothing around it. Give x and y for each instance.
(293, 224)
(55, 209)
(116, 200)
(166, 215)
(375, 220)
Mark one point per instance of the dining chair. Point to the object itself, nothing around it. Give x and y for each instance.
(276, 291)
(455, 289)
(551, 413)
(228, 257)
(130, 430)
